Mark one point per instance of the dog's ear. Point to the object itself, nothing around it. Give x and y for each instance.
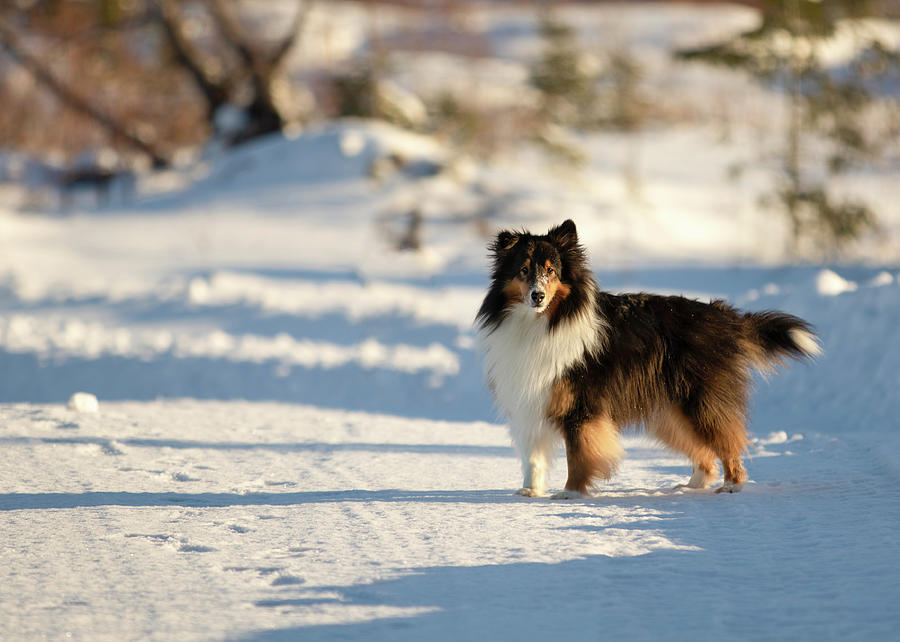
(564, 234)
(504, 242)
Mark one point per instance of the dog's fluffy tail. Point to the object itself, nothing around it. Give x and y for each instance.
(781, 336)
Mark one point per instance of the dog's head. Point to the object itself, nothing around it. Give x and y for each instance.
(537, 270)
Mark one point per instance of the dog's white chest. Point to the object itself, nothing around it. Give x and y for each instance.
(523, 358)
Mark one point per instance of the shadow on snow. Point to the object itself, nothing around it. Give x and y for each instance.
(28, 378)
(314, 447)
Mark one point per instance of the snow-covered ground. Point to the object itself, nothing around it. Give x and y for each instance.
(238, 520)
(294, 439)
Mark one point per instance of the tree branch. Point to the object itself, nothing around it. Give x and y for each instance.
(233, 33)
(266, 116)
(10, 42)
(215, 90)
(303, 9)
(256, 59)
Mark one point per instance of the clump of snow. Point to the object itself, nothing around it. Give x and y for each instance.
(829, 283)
(84, 402)
(777, 437)
(881, 279)
(352, 143)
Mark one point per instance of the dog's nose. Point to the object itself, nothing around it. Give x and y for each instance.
(537, 297)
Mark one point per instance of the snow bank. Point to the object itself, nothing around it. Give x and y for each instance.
(59, 339)
(357, 301)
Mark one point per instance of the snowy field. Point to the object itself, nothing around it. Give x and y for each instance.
(294, 439)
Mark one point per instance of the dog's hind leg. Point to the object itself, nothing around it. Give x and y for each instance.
(729, 443)
(702, 474)
(728, 440)
(674, 429)
(592, 453)
(718, 415)
(735, 474)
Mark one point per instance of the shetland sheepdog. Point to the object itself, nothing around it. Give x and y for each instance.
(567, 361)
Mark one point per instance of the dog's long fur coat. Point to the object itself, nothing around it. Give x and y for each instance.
(566, 360)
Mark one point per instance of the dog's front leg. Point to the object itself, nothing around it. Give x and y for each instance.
(534, 477)
(592, 453)
(535, 449)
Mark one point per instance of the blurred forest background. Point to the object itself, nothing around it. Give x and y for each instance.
(98, 91)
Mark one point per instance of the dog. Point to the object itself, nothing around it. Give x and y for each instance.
(565, 360)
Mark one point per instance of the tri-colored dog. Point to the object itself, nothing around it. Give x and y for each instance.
(568, 361)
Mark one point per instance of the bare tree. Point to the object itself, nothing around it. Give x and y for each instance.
(234, 67)
(257, 67)
(207, 73)
(72, 98)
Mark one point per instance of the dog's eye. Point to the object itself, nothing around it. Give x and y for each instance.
(524, 271)
(550, 271)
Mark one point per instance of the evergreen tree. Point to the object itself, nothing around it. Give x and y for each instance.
(784, 52)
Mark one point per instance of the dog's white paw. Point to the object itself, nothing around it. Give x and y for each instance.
(700, 479)
(568, 494)
(529, 492)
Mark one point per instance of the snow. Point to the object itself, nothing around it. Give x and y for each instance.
(303, 448)
(293, 439)
(882, 278)
(829, 283)
(83, 402)
(202, 520)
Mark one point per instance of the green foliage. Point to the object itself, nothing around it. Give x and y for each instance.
(815, 215)
(365, 92)
(110, 12)
(355, 92)
(815, 18)
(577, 91)
(459, 123)
(561, 147)
(626, 107)
(783, 52)
(560, 74)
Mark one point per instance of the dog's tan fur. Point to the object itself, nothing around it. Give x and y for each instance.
(592, 454)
